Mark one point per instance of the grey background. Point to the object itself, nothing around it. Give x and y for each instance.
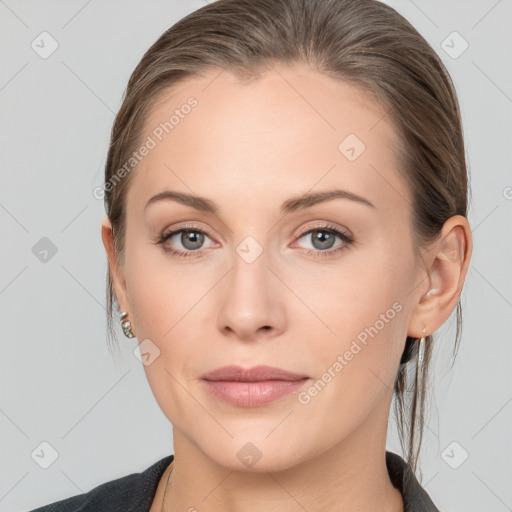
(60, 384)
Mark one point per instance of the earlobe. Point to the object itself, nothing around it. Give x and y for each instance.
(448, 261)
(118, 280)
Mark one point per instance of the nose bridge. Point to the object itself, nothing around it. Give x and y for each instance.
(249, 264)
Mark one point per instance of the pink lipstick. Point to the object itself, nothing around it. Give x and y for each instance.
(252, 387)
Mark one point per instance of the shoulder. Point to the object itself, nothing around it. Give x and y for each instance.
(416, 499)
(134, 492)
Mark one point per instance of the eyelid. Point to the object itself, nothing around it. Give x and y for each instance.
(184, 227)
(324, 225)
(176, 227)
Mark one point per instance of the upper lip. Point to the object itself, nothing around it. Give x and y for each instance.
(255, 374)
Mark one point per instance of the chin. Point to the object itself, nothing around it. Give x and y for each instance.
(256, 454)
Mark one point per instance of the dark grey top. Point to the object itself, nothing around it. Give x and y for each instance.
(135, 492)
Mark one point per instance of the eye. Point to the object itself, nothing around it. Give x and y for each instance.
(191, 239)
(323, 239)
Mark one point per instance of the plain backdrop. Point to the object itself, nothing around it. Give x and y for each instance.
(95, 419)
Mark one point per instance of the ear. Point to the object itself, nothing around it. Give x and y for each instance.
(447, 263)
(116, 271)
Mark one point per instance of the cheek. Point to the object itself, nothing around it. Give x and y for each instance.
(166, 311)
(160, 291)
(361, 298)
(167, 300)
(355, 370)
(360, 316)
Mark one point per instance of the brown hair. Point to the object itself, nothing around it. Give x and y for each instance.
(364, 42)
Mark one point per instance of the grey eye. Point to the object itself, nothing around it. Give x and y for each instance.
(322, 239)
(192, 240)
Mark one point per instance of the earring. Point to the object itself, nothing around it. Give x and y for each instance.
(421, 348)
(127, 329)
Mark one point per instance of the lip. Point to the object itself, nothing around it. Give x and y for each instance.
(255, 374)
(252, 387)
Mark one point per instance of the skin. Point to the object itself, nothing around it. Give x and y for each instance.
(249, 147)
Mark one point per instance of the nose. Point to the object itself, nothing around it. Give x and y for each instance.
(250, 305)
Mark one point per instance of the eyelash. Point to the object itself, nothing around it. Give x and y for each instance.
(316, 253)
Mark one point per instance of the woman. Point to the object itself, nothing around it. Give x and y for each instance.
(286, 197)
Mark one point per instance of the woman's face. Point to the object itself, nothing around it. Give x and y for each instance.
(253, 283)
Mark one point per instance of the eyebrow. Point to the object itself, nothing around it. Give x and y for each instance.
(290, 205)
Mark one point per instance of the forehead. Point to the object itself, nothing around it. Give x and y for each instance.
(281, 134)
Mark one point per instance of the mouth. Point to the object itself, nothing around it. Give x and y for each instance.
(253, 387)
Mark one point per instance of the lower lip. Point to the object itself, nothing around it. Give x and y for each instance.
(252, 394)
